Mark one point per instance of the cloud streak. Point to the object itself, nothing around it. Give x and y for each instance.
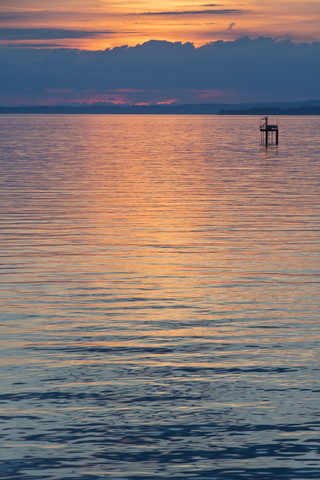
(47, 33)
(36, 44)
(221, 11)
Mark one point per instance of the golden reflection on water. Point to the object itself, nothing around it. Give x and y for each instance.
(159, 220)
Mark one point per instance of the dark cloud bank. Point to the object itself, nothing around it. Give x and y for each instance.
(272, 69)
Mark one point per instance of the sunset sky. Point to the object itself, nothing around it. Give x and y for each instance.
(98, 25)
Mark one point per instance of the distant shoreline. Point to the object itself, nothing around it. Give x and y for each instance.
(305, 110)
(286, 108)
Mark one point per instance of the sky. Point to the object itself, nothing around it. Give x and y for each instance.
(120, 40)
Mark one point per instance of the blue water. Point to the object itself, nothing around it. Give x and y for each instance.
(160, 298)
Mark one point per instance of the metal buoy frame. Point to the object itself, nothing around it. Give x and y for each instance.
(268, 132)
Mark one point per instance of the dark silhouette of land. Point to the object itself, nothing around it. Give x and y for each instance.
(304, 110)
(311, 107)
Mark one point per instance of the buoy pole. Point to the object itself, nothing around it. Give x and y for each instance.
(266, 142)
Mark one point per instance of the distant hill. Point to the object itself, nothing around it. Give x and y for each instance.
(310, 107)
(304, 110)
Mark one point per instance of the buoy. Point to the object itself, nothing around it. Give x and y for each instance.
(268, 131)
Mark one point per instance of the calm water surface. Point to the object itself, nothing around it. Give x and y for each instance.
(160, 298)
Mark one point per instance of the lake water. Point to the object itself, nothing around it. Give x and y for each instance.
(160, 298)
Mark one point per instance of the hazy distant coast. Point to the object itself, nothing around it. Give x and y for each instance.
(280, 108)
(304, 110)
